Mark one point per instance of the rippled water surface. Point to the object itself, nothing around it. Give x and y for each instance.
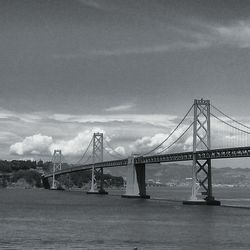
(43, 219)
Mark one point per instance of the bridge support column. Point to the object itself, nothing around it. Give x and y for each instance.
(93, 189)
(201, 170)
(97, 156)
(57, 165)
(100, 186)
(136, 185)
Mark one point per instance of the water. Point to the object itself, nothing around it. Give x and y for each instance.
(43, 219)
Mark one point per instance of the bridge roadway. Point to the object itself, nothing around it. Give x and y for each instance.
(237, 152)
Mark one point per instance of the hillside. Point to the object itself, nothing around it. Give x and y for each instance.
(178, 174)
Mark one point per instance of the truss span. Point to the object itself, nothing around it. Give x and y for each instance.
(238, 152)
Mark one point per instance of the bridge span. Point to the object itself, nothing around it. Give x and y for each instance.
(221, 153)
(201, 155)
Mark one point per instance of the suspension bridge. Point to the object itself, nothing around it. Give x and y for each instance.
(190, 140)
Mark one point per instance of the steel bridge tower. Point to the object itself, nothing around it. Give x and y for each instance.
(57, 165)
(97, 156)
(201, 169)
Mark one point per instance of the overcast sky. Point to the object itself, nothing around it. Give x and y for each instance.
(128, 68)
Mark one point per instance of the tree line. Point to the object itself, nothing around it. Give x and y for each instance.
(31, 172)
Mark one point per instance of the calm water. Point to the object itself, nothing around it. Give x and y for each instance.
(43, 219)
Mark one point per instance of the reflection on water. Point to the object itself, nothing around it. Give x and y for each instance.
(43, 219)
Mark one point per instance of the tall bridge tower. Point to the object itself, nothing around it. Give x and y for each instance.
(201, 169)
(97, 156)
(57, 165)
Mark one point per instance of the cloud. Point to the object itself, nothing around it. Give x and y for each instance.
(196, 36)
(142, 50)
(120, 150)
(5, 114)
(37, 144)
(128, 132)
(237, 34)
(124, 107)
(99, 5)
(116, 153)
(33, 137)
(147, 143)
(176, 143)
(130, 51)
(24, 117)
(5, 136)
(77, 145)
(153, 119)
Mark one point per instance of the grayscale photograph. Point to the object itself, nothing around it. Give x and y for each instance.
(124, 124)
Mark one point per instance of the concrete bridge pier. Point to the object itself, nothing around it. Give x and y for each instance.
(136, 185)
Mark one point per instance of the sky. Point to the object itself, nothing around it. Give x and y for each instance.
(129, 69)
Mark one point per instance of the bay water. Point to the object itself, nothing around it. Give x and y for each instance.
(44, 219)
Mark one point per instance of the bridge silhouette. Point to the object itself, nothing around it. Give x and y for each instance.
(199, 152)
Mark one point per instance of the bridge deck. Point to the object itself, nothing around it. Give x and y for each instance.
(237, 152)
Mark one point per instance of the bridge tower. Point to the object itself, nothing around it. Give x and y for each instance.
(97, 156)
(57, 165)
(201, 169)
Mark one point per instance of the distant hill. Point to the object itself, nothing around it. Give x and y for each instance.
(178, 174)
(172, 174)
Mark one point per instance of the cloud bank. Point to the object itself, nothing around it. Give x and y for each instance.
(126, 133)
(196, 36)
(124, 107)
(36, 144)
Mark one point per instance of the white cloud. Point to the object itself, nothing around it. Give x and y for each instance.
(132, 132)
(237, 34)
(116, 153)
(24, 117)
(120, 150)
(124, 107)
(154, 119)
(36, 144)
(45, 145)
(5, 114)
(147, 143)
(142, 50)
(77, 145)
(188, 145)
(177, 142)
(195, 36)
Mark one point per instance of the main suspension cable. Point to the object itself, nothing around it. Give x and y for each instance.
(244, 131)
(173, 131)
(243, 125)
(87, 159)
(109, 146)
(116, 157)
(165, 149)
(85, 152)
